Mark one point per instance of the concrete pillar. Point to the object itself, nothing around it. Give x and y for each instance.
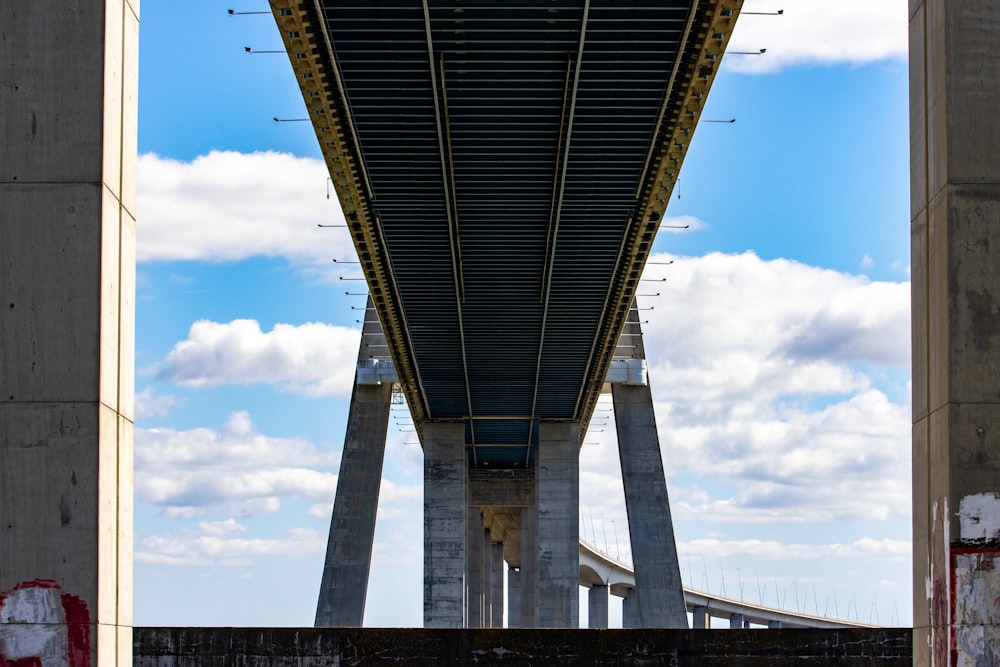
(774, 625)
(529, 568)
(558, 493)
(736, 621)
(651, 530)
(444, 524)
(344, 585)
(474, 556)
(700, 619)
(955, 254)
(631, 614)
(597, 606)
(496, 585)
(513, 598)
(68, 84)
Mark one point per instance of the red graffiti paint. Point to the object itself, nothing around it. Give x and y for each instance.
(43, 626)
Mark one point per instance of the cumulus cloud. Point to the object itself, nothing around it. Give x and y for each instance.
(205, 546)
(228, 206)
(765, 400)
(150, 404)
(185, 472)
(312, 359)
(813, 32)
(862, 548)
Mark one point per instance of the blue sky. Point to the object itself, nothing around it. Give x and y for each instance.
(778, 346)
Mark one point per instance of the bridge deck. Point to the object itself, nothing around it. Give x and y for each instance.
(504, 167)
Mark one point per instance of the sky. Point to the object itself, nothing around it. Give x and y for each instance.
(778, 340)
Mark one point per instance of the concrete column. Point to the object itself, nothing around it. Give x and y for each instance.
(496, 585)
(597, 606)
(474, 556)
(344, 586)
(955, 255)
(736, 621)
(631, 614)
(558, 492)
(513, 598)
(68, 84)
(774, 625)
(529, 568)
(444, 524)
(651, 530)
(700, 619)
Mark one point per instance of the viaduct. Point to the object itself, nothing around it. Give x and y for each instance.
(540, 138)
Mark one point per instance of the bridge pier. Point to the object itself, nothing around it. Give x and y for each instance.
(444, 525)
(955, 252)
(344, 586)
(597, 606)
(496, 584)
(67, 288)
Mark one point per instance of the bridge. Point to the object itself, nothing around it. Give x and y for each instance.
(503, 169)
(67, 243)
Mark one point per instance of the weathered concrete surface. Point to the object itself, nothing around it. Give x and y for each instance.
(315, 647)
(68, 86)
(651, 530)
(444, 525)
(558, 493)
(344, 587)
(955, 255)
(597, 606)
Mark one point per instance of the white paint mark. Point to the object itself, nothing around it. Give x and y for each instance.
(979, 517)
(33, 625)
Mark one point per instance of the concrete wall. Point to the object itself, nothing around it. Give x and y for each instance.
(308, 647)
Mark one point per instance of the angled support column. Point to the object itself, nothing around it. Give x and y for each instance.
(444, 525)
(344, 586)
(558, 493)
(68, 92)
(651, 530)
(955, 255)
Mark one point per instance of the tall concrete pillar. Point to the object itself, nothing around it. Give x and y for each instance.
(736, 621)
(651, 530)
(496, 585)
(528, 579)
(558, 493)
(514, 598)
(597, 606)
(444, 525)
(68, 85)
(631, 614)
(474, 557)
(344, 586)
(955, 255)
(700, 619)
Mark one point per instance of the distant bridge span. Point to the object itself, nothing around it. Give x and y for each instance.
(600, 569)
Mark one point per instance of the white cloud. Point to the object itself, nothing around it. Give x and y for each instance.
(767, 404)
(228, 206)
(866, 547)
(235, 468)
(205, 547)
(816, 32)
(313, 359)
(150, 404)
(867, 262)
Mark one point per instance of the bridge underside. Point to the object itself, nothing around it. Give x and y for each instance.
(504, 167)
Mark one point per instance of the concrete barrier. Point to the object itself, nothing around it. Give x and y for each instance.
(315, 647)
